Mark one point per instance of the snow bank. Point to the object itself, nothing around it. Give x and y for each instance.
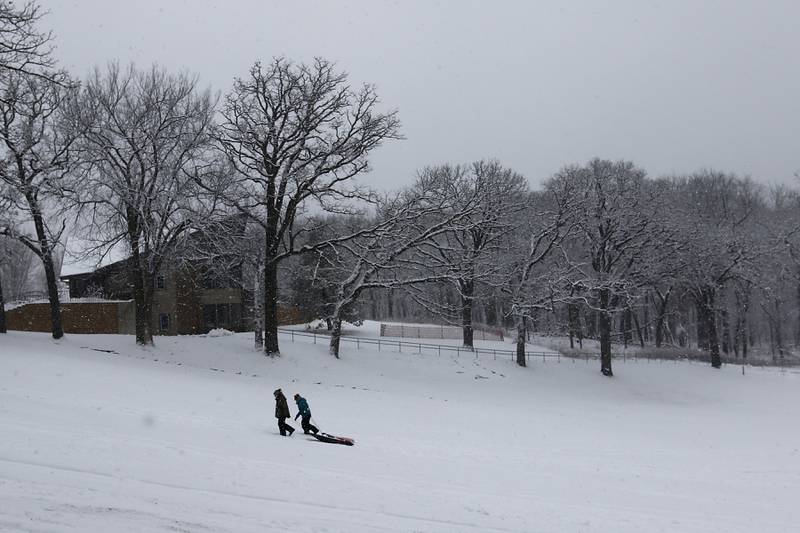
(219, 332)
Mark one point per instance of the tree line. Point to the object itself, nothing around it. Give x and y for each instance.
(140, 160)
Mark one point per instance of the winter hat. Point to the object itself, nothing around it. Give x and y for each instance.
(277, 391)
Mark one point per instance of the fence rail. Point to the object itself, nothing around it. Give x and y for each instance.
(400, 346)
(416, 347)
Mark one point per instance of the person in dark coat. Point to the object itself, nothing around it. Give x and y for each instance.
(282, 413)
(305, 412)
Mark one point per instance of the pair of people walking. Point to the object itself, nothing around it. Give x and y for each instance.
(282, 413)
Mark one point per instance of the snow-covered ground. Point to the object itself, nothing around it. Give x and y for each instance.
(97, 435)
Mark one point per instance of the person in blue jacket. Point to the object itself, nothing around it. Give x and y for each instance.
(305, 412)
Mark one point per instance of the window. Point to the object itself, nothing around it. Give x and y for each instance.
(163, 322)
(221, 316)
(161, 283)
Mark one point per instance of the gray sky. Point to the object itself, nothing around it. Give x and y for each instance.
(673, 85)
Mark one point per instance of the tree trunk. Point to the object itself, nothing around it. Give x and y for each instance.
(467, 294)
(700, 325)
(713, 339)
(778, 328)
(604, 325)
(572, 320)
(744, 337)
(136, 277)
(271, 347)
(726, 331)
(144, 334)
(626, 326)
(706, 318)
(258, 309)
(742, 303)
(52, 294)
(336, 335)
(46, 255)
(519, 322)
(2, 308)
(638, 327)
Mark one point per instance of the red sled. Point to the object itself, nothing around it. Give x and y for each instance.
(333, 439)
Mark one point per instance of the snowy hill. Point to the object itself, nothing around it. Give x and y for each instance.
(98, 435)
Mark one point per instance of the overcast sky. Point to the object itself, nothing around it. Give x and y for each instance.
(672, 85)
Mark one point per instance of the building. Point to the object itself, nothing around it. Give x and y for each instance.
(187, 299)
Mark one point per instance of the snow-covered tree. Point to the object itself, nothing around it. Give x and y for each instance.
(295, 136)
(613, 216)
(24, 48)
(145, 146)
(716, 249)
(532, 276)
(36, 146)
(385, 253)
(468, 251)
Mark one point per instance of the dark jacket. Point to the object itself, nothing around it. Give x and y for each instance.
(281, 407)
(302, 406)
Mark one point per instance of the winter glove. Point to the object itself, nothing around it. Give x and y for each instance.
(295, 416)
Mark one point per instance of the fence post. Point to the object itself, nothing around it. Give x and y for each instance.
(358, 343)
(315, 337)
(440, 350)
(292, 335)
(379, 345)
(419, 349)
(399, 346)
(494, 351)
(458, 351)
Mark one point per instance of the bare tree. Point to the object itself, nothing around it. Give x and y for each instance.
(613, 216)
(469, 250)
(391, 252)
(146, 146)
(531, 276)
(36, 142)
(295, 135)
(24, 49)
(716, 209)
